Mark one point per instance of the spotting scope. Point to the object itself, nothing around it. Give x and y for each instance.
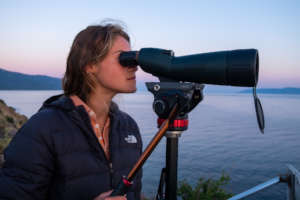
(179, 91)
(236, 67)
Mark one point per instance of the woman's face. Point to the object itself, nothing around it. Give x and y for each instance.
(112, 76)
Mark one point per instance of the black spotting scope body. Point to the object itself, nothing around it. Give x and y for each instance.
(236, 67)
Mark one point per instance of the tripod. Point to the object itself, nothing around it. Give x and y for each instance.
(167, 188)
(166, 96)
(172, 103)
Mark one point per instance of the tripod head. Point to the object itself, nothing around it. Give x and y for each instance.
(167, 94)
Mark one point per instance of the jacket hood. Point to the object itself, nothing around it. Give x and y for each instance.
(65, 103)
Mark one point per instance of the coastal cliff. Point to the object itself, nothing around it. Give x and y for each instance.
(10, 122)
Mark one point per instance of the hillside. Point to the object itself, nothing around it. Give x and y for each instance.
(10, 122)
(18, 81)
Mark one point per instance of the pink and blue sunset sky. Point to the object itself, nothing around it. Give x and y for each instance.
(36, 36)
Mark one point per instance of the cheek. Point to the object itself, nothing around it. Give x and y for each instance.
(112, 68)
(113, 73)
(110, 77)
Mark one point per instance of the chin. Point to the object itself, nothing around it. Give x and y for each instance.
(128, 90)
(132, 90)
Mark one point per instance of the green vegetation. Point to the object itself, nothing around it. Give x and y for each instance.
(205, 189)
(9, 119)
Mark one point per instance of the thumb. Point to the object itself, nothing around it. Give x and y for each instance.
(105, 194)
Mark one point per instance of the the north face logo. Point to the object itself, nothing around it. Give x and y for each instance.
(130, 139)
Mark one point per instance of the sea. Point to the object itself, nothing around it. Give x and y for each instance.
(223, 137)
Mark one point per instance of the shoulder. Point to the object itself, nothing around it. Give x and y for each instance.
(34, 138)
(126, 126)
(126, 120)
(122, 117)
(40, 126)
(46, 118)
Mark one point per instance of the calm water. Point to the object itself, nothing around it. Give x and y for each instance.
(223, 136)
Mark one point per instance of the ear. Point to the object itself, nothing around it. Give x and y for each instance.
(90, 68)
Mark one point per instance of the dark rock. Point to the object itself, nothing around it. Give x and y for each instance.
(2, 133)
(11, 133)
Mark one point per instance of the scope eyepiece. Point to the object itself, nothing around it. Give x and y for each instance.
(128, 58)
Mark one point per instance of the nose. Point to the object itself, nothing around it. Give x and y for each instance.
(132, 69)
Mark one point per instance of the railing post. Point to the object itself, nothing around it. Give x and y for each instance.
(291, 187)
(293, 192)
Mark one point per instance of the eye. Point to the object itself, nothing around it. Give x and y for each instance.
(117, 53)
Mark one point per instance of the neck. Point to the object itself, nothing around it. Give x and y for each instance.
(99, 102)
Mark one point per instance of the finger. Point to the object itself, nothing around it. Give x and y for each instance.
(116, 198)
(106, 194)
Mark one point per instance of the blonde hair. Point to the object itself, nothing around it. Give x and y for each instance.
(90, 46)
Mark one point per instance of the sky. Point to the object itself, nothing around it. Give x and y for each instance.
(36, 36)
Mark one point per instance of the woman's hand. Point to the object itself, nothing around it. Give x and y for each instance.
(105, 196)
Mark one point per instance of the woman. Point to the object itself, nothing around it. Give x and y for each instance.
(79, 144)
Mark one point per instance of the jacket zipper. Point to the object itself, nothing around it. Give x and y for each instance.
(110, 165)
(108, 161)
(111, 171)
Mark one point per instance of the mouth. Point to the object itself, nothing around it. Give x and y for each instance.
(131, 78)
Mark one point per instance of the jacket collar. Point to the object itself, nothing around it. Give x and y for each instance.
(80, 117)
(65, 103)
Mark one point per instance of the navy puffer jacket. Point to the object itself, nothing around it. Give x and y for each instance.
(56, 155)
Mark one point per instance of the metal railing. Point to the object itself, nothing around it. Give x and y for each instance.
(292, 179)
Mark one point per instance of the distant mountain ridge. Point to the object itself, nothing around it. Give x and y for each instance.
(18, 81)
(288, 90)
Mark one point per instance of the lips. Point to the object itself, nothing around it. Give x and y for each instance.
(131, 78)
